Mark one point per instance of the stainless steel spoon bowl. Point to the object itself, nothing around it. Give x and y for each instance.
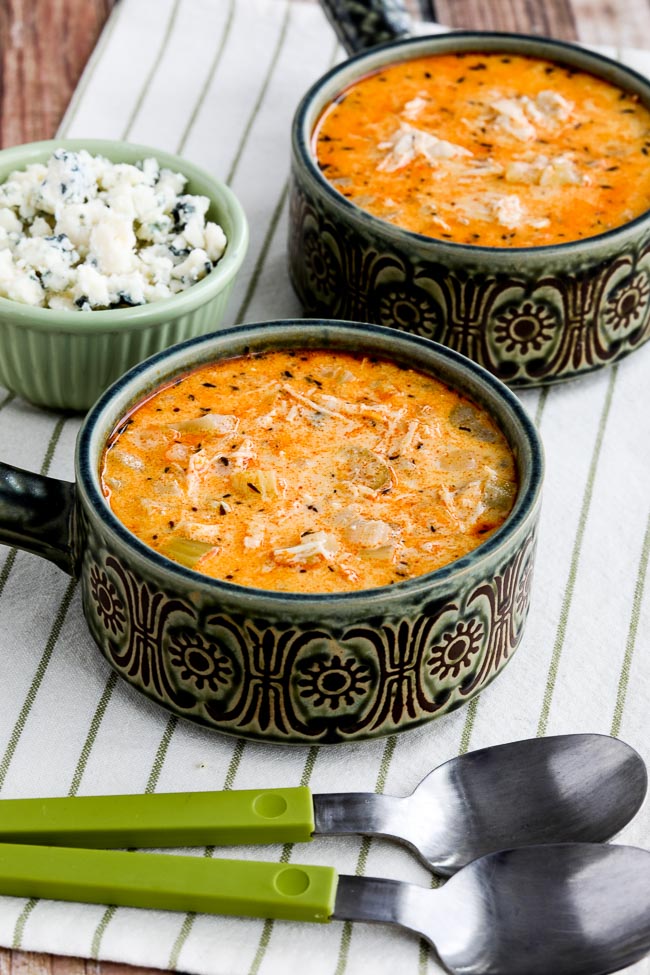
(564, 909)
(568, 788)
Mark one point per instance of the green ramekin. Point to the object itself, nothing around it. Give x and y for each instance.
(65, 359)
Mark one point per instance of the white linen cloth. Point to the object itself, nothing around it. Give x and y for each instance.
(218, 81)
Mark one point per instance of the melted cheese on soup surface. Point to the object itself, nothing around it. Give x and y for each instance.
(309, 472)
(495, 150)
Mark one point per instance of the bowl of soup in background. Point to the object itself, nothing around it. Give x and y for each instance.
(288, 667)
(531, 315)
(64, 359)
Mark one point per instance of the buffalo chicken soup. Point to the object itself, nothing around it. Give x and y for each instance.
(496, 149)
(312, 471)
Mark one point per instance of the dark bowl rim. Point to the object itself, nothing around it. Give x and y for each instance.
(525, 505)
(302, 153)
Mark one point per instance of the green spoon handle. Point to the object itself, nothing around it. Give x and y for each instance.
(162, 819)
(167, 882)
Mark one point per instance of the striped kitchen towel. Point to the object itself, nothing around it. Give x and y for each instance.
(218, 81)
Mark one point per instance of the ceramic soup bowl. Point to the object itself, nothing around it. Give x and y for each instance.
(274, 666)
(530, 315)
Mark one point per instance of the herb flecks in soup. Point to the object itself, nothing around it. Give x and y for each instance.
(496, 150)
(313, 471)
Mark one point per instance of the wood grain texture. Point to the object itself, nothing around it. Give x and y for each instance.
(33, 963)
(524, 16)
(624, 23)
(44, 46)
(617, 22)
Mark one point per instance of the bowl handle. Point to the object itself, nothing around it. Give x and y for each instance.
(36, 514)
(361, 24)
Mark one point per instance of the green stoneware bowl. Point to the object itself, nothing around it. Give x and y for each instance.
(531, 316)
(275, 666)
(65, 359)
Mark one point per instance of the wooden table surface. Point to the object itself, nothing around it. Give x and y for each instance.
(44, 45)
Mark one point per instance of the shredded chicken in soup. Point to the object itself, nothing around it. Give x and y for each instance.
(312, 471)
(490, 149)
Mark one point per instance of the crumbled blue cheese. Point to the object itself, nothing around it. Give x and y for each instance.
(81, 233)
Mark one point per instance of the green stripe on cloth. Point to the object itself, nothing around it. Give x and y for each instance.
(169, 29)
(541, 403)
(262, 91)
(261, 258)
(51, 446)
(22, 921)
(269, 235)
(161, 754)
(208, 79)
(186, 926)
(633, 628)
(234, 764)
(107, 917)
(37, 680)
(92, 734)
(7, 567)
(183, 934)
(468, 727)
(575, 557)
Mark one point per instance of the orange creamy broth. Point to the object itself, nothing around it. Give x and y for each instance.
(309, 472)
(496, 150)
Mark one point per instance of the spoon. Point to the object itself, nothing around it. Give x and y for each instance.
(542, 790)
(565, 909)
(566, 788)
